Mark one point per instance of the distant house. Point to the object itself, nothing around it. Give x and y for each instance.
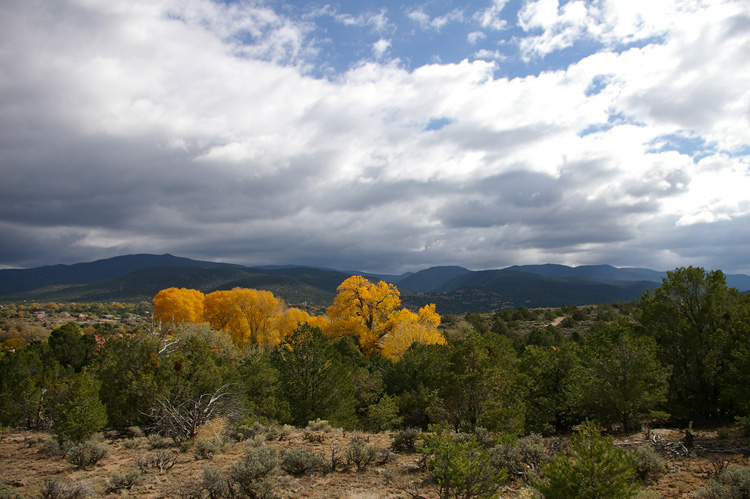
(40, 315)
(81, 318)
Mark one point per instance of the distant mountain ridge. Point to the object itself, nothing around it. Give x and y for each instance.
(21, 280)
(430, 279)
(454, 289)
(610, 273)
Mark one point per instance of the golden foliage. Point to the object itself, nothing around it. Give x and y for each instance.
(218, 309)
(257, 308)
(255, 316)
(289, 320)
(173, 305)
(408, 328)
(363, 309)
(369, 312)
(247, 314)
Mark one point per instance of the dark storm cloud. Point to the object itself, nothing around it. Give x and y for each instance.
(151, 127)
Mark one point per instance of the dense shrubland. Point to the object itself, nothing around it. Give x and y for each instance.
(680, 354)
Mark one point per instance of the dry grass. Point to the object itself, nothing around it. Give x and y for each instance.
(23, 468)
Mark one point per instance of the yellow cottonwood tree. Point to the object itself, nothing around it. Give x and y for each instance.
(175, 305)
(249, 315)
(219, 309)
(257, 308)
(363, 309)
(407, 328)
(286, 322)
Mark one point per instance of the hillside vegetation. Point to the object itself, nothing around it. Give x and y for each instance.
(472, 401)
(454, 290)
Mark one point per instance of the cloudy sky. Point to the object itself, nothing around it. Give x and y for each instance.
(383, 136)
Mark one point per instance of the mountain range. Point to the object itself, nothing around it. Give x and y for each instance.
(453, 289)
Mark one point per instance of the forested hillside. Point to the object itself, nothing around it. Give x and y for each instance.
(454, 290)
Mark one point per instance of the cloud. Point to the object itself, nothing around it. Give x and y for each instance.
(377, 21)
(426, 22)
(490, 55)
(610, 22)
(491, 16)
(380, 48)
(475, 36)
(198, 128)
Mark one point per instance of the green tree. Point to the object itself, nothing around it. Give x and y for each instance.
(736, 378)
(71, 347)
(26, 380)
(195, 391)
(383, 415)
(79, 412)
(195, 369)
(415, 381)
(551, 386)
(593, 469)
(260, 387)
(621, 379)
(689, 317)
(484, 386)
(133, 377)
(462, 469)
(315, 382)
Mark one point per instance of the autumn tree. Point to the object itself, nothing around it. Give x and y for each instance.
(257, 308)
(284, 323)
(363, 310)
(219, 310)
(369, 313)
(251, 315)
(407, 328)
(175, 305)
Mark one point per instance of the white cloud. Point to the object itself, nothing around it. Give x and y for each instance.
(380, 47)
(495, 55)
(612, 23)
(378, 21)
(491, 17)
(435, 23)
(475, 36)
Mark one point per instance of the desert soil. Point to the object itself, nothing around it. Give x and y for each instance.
(23, 469)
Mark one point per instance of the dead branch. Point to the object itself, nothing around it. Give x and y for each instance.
(181, 418)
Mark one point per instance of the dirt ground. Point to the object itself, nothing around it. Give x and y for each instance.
(23, 468)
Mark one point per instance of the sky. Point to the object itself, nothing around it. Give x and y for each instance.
(381, 136)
